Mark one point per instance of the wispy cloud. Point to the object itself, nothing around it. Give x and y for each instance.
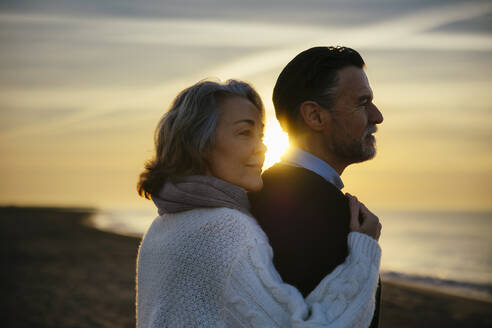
(275, 45)
(80, 94)
(391, 34)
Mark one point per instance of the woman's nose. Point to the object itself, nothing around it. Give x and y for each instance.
(261, 147)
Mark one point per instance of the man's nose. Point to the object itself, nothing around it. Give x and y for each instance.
(375, 116)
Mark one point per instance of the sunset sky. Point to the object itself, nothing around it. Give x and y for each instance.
(83, 84)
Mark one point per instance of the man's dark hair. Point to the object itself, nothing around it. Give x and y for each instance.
(311, 75)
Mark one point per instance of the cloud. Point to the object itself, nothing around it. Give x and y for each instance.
(273, 46)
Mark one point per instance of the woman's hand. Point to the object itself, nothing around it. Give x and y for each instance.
(362, 220)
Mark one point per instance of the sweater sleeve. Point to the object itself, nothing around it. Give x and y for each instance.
(256, 296)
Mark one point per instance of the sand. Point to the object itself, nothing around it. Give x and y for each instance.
(60, 272)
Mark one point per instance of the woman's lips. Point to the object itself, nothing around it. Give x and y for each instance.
(255, 166)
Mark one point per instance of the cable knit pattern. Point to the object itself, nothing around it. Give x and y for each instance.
(213, 268)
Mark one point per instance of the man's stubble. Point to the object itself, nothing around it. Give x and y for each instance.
(349, 148)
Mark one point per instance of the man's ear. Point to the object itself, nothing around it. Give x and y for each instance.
(313, 115)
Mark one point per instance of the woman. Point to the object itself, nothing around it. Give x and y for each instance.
(205, 262)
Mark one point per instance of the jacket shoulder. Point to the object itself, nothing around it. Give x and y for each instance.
(294, 186)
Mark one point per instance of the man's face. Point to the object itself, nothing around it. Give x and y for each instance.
(354, 118)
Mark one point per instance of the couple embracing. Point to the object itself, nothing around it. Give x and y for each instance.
(233, 247)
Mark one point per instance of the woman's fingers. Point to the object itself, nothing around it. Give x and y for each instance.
(354, 206)
(369, 225)
(380, 227)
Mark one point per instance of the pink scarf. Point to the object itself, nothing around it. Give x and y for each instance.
(199, 191)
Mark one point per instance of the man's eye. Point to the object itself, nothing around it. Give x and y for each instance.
(245, 133)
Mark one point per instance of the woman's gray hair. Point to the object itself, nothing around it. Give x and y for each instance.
(187, 131)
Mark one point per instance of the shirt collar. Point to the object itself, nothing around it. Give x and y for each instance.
(300, 158)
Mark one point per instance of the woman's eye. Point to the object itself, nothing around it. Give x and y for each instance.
(245, 133)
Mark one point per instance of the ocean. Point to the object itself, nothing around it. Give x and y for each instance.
(448, 251)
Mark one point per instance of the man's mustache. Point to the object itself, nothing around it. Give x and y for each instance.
(370, 130)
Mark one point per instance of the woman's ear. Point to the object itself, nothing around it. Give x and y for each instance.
(314, 116)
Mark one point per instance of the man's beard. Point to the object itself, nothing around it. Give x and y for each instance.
(353, 150)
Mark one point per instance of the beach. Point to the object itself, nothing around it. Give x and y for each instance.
(61, 272)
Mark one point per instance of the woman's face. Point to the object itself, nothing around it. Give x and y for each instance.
(238, 153)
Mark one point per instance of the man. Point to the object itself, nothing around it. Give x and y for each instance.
(323, 100)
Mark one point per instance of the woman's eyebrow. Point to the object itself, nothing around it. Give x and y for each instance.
(251, 122)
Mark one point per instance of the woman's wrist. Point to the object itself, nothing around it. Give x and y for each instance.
(363, 245)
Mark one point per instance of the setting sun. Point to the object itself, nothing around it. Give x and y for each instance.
(83, 86)
(276, 141)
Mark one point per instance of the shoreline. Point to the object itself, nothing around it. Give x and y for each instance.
(445, 290)
(407, 306)
(117, 223)
(63, 272)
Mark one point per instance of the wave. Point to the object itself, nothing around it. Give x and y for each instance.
(481, 291)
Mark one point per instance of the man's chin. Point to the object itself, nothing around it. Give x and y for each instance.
(370, 153)
(369, 149)
(366, 154)
(357, 152)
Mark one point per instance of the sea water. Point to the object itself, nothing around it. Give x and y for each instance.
(450, 251)
(447, 250)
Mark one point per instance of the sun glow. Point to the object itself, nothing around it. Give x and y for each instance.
(277, 143)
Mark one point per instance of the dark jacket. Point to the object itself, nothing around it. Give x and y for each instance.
(306, 219)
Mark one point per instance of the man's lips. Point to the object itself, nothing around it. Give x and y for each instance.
(370, 131)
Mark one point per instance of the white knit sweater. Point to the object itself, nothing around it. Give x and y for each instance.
(213, 268)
